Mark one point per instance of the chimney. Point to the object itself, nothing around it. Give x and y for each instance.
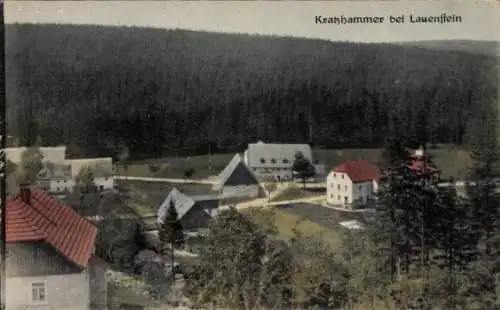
(25, 193)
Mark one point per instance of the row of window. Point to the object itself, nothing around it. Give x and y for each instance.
(284, 160)
(338, 186)
(338, 198)
(341, 175)
(265, 170)
(64, 181)
(273, 161)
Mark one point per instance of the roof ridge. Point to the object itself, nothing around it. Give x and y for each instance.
(25, 217)
(37, 211)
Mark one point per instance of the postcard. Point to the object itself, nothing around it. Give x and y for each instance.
(250, 155)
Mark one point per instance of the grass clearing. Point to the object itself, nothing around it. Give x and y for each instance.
(453, 162)
(121, 295)
(140, 208)
(143, 170)
(296, 192)
(174, 167)
(286, 222)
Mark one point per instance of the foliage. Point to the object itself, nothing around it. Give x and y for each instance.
(303, 168)
(115, 242)
(231, 264)
(356, 93)
(85, 178)
(319, 280)
(153, 168)
(171, 231)
(277, 278)
(31, 164)
(188, 173)
(264, 219)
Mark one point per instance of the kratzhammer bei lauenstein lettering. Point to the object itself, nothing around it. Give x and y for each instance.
(342, 20)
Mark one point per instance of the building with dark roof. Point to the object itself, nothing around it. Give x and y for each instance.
(237, 180)
(50, 255)
(353, 182)
(194, 212)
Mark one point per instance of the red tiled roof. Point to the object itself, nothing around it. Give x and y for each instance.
(48, 220)
(359, 171)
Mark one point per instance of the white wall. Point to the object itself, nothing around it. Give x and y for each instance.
(68, 291)
(240, 191)
(285, 174)
(107, 183)
(363, 191)
(57, 186)
(338, 187)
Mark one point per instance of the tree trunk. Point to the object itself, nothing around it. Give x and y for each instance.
(173, 261)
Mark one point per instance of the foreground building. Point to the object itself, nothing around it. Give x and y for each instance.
(237, 180)
(354, 182)
(274, 161)
(50, 255)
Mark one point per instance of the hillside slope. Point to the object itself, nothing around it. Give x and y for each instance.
(161, 91)
(488, 48)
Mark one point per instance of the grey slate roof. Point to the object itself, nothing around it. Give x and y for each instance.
(183, 204)
(236, 173)
(275, 155)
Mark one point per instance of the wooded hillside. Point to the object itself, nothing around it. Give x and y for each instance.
(162, 91)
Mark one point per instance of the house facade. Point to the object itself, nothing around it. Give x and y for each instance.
(354, 182)
(237, 180)
(273, 160)
(50, 255)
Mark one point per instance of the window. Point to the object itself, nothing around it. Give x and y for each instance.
(285, 161)
(39, 292)
(359, 187)
(338, 186)
(262, 160)
(342, 176)
(338, 197)
(106, 178)
(334, 175)
(273, 160)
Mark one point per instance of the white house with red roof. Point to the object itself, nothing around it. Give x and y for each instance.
(50, 255)
(352, 182)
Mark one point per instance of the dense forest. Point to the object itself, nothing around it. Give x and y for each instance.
(158, 92)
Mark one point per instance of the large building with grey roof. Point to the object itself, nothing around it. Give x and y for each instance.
(237, 180)
(273, 160)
